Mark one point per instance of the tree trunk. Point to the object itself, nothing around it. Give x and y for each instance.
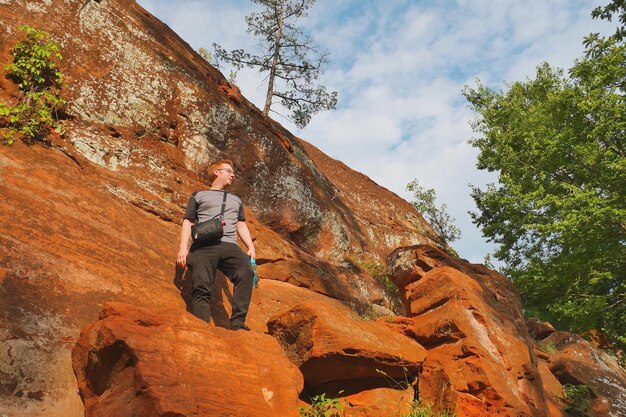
(270, 83)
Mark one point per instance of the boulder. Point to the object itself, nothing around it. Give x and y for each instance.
(270, 298)
(369, 397)
(380, 402)
(281, 260)
(138, 361)
(407, 266)
(554, 390)
(480, 357)
(575, 361)
(330, 345)
(539, 329)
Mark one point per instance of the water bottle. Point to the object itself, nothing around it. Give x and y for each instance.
(255, 278)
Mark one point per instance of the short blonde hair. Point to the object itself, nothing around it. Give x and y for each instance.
(217, 165)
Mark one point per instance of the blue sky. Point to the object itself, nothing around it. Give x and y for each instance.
(399, 68)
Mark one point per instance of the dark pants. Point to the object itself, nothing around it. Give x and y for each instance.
(204, 262)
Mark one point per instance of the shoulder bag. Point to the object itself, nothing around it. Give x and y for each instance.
(209, 230)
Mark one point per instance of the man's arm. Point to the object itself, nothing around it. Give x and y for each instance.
(244, 234)
(185, 234)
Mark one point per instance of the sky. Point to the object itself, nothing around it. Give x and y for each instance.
(399, 68)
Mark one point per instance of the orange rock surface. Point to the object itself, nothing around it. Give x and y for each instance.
(141, 362)
(380, 402)
(480, 359)
(94, 216)
(332, 345)
(577, 362)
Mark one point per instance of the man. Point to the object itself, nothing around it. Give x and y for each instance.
(204, 259)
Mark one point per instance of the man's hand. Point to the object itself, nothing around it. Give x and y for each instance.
(181, 260)
(185, 234)
(251, 252)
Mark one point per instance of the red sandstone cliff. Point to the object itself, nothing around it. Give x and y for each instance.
(94, 219)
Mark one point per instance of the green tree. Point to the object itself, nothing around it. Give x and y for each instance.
(607, 12)
(35, 70)
(438, 217)
(206, 55)
(291, 59)
(558, 213)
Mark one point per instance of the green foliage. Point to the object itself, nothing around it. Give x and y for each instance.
(321, 406)
(425, 409)
(607, 12)
(439, 219)
(206, 55)
(291, 59)
(379, 272)
(549, 347)
(577, 400)
(34, 70)
(558, 213)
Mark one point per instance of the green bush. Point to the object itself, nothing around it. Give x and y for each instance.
(549, 347)
(379, 272)
(323, 407)
(577, 400)
(34, 70)
(425, 409)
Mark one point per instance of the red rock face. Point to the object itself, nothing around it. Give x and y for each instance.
(68, 246)
(379, 402)
(480, 360)
(574, 361)
(143, 362)
(371, 367)
(555, 396)
(95, 217)
(382, 221)
(332, 345)
(142, 103)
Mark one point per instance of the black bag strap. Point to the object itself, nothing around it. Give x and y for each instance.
(223, 205)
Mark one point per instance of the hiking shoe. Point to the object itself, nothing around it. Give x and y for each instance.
(240, 327)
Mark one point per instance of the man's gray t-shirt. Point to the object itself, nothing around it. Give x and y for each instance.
(207, 204)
